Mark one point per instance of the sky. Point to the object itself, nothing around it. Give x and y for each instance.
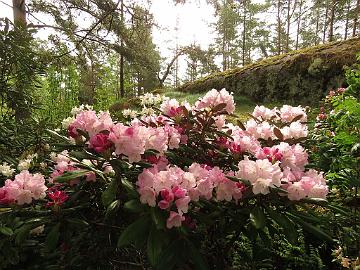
(192, 18)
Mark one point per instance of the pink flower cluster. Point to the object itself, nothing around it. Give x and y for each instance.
(300, 185)
(214, 98)
(291, 118)
(173, 189)
(133, 141)
(23, 189)
(90, 122)
(261, 173)
(286, 113)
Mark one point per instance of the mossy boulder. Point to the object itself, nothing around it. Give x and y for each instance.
(303, 76)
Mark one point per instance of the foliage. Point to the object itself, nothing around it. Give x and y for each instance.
(21, 66)
(336, 144)
(98, 206)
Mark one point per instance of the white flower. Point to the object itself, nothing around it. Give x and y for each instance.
(37, 230)
(129, 113)
(67, 121)
(81, 108)
(147, 111)
(24, 164)
(6, 170)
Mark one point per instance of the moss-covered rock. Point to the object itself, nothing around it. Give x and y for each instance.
(302, 76)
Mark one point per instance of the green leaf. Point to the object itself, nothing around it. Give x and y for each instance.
(109, 194)
(77, 222)
(67, 176)
(316, 231)
(135, 233)
(159, 217)
(130, 189)
(112, 208)
(257, 217)
(54, 133)
(22, 233)
(6, 231)
(134, 206)
(171, 255)
(244, 181)
(289, 229)
(195, 256)
(155, 243)
(52, 238)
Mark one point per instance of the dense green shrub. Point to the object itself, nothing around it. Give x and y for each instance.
(336, 149)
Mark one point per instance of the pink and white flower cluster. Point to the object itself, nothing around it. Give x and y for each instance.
(131, 141)
(173, 189)
(214, 98)
(23, 189)
(290, 119)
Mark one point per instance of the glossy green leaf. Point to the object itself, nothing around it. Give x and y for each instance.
(67, 176)
(52, 238)
(134, 206)
(258, 218)
(136, 233)
(6, 231)
(109, 194)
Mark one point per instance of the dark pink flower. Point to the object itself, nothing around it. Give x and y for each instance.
(100, 142)
(167, 195)
(58, 197)
(3, 197)
(72, 132)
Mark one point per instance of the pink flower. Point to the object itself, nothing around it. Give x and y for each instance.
(129, 141)
(167, 195)
(24, 188)
(3, 196)
(264, 113)
(169, 107)
(296, 191)
(261, 173)
(58, 197)
(288, 113)
(164, 204)
(147, 196)
(214, 98)
(100, 142)
(174, 220)
(182, 204)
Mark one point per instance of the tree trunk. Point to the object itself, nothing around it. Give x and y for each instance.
(244, 35)
(325, 21)
(347, 19)
(356, 16)
(288, 26)
(332, 18)
(298, 25)
(278, 28)
(122, 90)
(19, 12)
(317, 39)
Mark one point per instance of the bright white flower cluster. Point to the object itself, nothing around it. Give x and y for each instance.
(25, 164)
(128, 113)
(149, 99)
(6, 170)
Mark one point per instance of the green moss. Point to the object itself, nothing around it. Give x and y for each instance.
(301, 76)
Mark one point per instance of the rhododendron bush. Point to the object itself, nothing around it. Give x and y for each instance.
(163, 179)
